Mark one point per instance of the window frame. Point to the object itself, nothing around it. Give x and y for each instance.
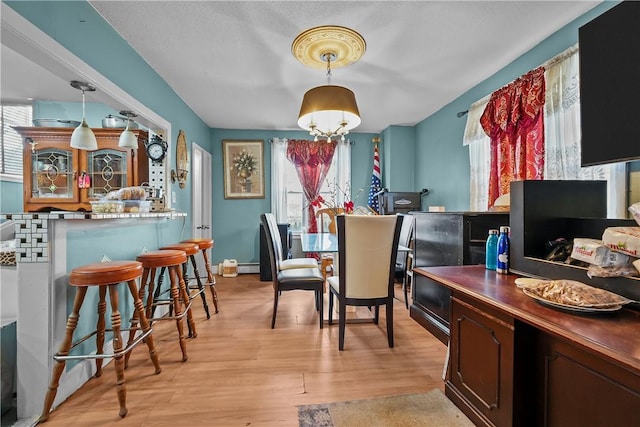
(10, 177)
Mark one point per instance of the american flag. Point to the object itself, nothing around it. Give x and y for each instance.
(375, 182)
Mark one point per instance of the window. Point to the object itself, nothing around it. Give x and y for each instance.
(288, 202)
(11, 142)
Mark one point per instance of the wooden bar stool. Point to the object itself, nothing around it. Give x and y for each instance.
(179, 301)
(105, 275)
(191, 249)
(205, 244)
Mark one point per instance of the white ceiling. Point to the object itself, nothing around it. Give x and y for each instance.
(231, 61)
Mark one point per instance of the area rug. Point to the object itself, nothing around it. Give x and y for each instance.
(431, 409)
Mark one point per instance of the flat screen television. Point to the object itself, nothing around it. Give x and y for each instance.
(610, 85)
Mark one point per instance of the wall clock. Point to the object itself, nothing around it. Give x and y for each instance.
(156, 149)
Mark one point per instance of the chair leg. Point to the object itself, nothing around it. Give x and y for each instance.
(211, 280)
(100, 327)
(320, 297)
(59, 365)
(116, 320)
(134, 320)
(376, 315)
(196, 273)
(405, 286)
(390, 322)
(275, 308)
(145, 326)
(330, 307)
(182, 289)
(342, 312)
(178, 308)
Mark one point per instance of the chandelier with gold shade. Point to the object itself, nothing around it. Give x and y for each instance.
(328, 111)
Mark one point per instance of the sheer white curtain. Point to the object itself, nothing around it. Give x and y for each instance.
(342, 163)
(563, 132)
(479, 156)
(340, 173)
(278, 179)
(562, 138)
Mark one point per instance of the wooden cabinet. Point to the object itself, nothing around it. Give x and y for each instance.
(516, 362)
(51, 168)
(446, 238)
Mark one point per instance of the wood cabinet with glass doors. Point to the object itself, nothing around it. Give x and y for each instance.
(52, 168)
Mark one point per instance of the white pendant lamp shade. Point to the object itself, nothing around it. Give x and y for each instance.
(83, 138)
(128, 139)
(329, 109)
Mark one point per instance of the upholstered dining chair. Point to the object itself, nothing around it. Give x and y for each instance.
(285, 264)
(308, 279)
(368, 246)
(403, 259)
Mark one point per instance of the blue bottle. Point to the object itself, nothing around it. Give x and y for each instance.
(492, 250)
(502, 265)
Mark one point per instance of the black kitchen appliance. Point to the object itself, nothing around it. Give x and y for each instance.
(393, 202)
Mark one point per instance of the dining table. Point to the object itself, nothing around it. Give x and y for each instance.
(327, 242)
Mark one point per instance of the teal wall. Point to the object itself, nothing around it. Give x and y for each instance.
(442, 162)
(397, 158)
(10, 196)
(429, 155)
(94, 112)
(235, 221)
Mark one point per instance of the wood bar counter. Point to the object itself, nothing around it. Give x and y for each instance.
(516, 362)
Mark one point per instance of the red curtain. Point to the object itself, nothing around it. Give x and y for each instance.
(312, 160)
(513, 119)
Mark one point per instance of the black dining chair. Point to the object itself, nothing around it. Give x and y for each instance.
(308, 279)
(402, 271)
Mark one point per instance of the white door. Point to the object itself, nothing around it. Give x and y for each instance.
(201, 222)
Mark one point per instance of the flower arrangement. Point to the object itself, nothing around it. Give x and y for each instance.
(336, 194)
(244, 164)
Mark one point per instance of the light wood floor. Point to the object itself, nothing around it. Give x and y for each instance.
(242, 373)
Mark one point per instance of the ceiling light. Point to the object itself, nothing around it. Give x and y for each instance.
(82, 137)
(127, 138)
(328, 110)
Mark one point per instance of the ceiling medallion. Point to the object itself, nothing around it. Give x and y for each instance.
(344, 44)
(328, 111)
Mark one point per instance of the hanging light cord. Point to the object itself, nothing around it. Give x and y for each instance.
(83, 116)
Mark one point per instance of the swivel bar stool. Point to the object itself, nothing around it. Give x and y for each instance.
(105, 275)
(179, 301)
(191, 249)
(205, 244)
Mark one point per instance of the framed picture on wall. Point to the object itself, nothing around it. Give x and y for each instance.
(243, 163)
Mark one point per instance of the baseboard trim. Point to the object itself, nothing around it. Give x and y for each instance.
(248, 268)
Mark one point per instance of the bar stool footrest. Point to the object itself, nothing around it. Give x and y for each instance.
(120, 353)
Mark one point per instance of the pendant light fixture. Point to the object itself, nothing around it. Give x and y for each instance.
(328, 110)
(127, 137)
(82, 137)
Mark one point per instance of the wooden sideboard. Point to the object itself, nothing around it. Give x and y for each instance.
(516, 362)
